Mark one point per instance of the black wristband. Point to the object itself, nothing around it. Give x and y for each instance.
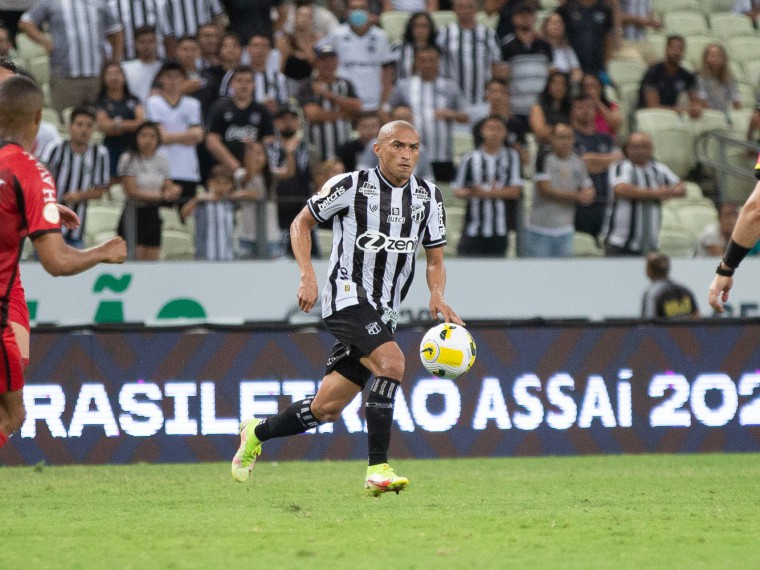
(734, 254)
(724, 272)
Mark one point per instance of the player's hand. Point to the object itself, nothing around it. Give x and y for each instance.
(114, 250)
(307, 293)
(719, 289)
(449, 316)
(69, 218)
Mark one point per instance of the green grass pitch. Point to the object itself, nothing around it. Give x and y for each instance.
(607, 512)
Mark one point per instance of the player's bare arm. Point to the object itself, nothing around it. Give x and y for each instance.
(300, 239)
(744, 237)
(58, 258)
(436, 280)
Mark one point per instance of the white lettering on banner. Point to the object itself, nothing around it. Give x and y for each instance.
(189, 290)
(140, 418)
(433, 405)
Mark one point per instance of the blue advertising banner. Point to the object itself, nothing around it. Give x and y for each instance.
(160, 395)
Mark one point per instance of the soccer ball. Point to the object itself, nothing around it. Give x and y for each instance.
(447, 351)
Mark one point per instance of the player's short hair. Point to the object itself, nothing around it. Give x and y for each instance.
(20, 101)
(658, 265)
(387, 130)
(82, 110)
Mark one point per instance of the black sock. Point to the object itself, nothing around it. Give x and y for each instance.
(379, 412)
(295, 419)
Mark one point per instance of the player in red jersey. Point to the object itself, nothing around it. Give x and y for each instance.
(28, 208)
(744, 237)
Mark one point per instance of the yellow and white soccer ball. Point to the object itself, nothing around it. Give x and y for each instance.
(447, 351)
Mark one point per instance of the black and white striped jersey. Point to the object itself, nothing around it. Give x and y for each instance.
(134, 14)
(468, 57)
(186, 16)
(626, 219)
(329, 135)
(270, 84)
(424, 98)
(377, 230)
(488, 217)
(74, 172)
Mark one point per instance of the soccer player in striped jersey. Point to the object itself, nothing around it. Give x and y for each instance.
(380, 217)
(744, 237)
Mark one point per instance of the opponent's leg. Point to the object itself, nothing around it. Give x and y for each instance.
(387, 364)
(334, 394)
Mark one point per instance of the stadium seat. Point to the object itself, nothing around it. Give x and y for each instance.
(738, 188)
(625, 71)
(728, 25)
(752, 72)
(394, 23)
(39, 67)
(52, 116)
(455, 214)
(693, 214)
(718, 6)
(91, 240)
(669, 219)
(674, 146)
(743, 48)
(489, 21)
(324, 239)
(27, 49)
(747, 93)
(737, 69)
(665, 6)
(677, 243)
(648, 120)
(176, 246)
(693, 191)
(463, 142)
(740, 119)
(443, 18)
(685, 23)
(171, 221)
(709, 120)
(695, 47)
(656, 43)
(102, 218)
(584, 245)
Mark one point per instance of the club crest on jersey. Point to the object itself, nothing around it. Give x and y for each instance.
(396, 217)
(369, 190)
(374, 207)
(373, 328)
(422, 194)
(418, 212)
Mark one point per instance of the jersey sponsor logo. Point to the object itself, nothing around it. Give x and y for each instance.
(395, 216)
(51, 214)
(337, 193)
(422, 194)
(369, 190)
(418, 212)
(241, 133)
(373, 242)
(49, 193)
(441, 223)
(373, 328)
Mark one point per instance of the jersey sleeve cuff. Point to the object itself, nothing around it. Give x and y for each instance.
(35, 235)
(314, 213)
(432, 244)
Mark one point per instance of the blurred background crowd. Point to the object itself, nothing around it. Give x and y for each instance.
(199, 128)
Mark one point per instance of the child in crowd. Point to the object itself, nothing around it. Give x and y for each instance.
(214, 216)
(562, 181)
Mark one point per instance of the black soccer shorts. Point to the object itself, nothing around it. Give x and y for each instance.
(359, 330)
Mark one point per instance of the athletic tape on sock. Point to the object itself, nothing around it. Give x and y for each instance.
(305, 414)
(385, 387)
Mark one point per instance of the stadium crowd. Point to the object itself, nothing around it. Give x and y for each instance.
(553, 128)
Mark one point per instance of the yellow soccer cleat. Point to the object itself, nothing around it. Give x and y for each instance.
(249, 450)
(381, 479)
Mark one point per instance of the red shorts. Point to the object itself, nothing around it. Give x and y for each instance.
(11, 366)
(18, 312)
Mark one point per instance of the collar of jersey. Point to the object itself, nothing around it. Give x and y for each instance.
(385, 181)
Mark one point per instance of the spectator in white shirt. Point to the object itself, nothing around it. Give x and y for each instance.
(141, 71)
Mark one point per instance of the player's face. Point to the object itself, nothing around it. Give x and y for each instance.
(398, 155)
(81, 129)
